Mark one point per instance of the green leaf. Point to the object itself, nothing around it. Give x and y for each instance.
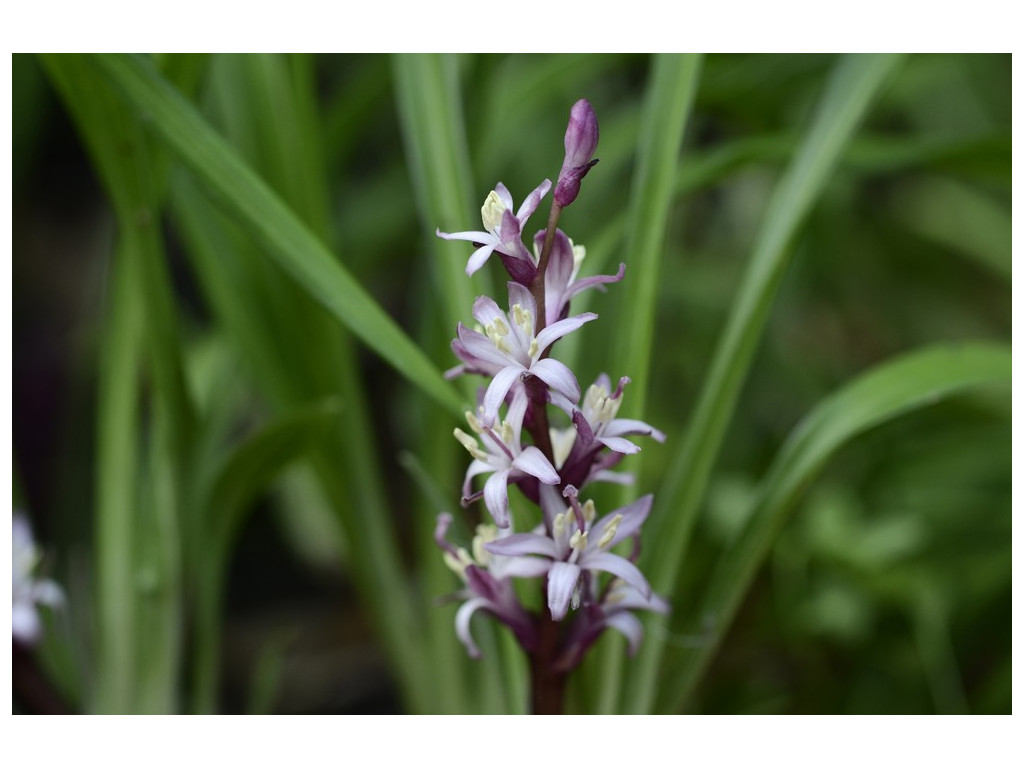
(286, 239)
(855, 82)
(253, 464)
(896, 387)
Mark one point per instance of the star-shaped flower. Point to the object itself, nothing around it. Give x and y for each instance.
(488, 585)
(510, 349)
(578, 544)
(503, 455)
(504, 231)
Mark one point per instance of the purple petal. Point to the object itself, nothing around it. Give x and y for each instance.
(520, 269)
(581, 135)
(555, 331)
(503, 194)
(533, 462)
(562, 580)
(496, 391)
(583, 429)
(523, 544)
(560, 262)
(520, 294)
(596, 560)
(496, 497)
(557, 376)
(589, 282)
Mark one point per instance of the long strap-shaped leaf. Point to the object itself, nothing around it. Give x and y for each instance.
(674, 79)
(889, 390)
(855, 82)
(295, 249)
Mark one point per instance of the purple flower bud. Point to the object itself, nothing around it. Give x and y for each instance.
(580, 142)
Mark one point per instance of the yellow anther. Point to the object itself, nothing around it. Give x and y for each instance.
(523, 318)
(470, 444)
(579, 253)
(473, 421)
(506, 432)
(558, 524)
(610, 529)
(595, 394)
(497, 330)
(614, 596)
(589, 512)
(578, 540)
(492, 211)
(532, 351)
(458, 563)
(484, 535)
(562, 441)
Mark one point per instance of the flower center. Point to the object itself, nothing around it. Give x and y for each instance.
(492, 211)
(600, 408)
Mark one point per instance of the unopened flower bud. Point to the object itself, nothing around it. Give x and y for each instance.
(580, 142)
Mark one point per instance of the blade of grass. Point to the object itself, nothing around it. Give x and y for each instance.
(247, 198)
(896, 387)
(430, 111)
(668, 101)
(854, 83)
(139, 589)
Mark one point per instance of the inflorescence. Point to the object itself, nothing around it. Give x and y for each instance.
(588, 586)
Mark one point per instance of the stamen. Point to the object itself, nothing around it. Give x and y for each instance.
(473, 421)
(492, 211)
(470, 444)
(485, 534)
(458, 562)
(589, 512)
(610, 529)
(578, 541)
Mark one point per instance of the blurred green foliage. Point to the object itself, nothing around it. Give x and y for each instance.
(281, 494)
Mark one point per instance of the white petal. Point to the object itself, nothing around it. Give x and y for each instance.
(630, 626)
(533, 462)
(522, 544)
(496, 497)
(521, 567)
(555, 331)
(462, 617)
(596, 560)
(620, 444)
(632, 427)
(473, 237)
(486, 311)
(496, 391)
(562, 580)
(557, 376)
(479, 258)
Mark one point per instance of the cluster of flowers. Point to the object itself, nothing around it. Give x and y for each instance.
(570, 546)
